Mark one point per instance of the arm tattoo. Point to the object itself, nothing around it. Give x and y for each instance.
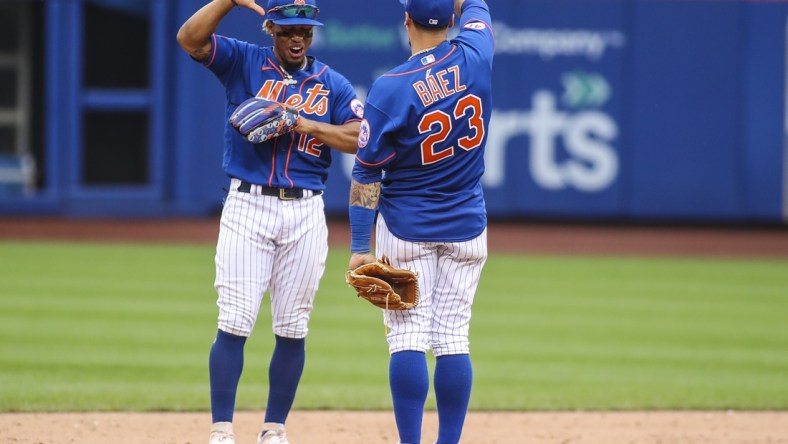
(365, 195)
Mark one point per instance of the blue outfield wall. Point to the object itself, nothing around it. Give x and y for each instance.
(625, 110)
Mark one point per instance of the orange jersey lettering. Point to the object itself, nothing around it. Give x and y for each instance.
(438, 86)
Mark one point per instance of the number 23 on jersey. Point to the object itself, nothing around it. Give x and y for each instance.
(438, 125)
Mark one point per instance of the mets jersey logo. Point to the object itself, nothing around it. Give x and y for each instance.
(363, 134)
(357, 107)
(315, 102)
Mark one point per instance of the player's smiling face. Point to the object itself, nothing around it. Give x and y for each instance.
(291, 44)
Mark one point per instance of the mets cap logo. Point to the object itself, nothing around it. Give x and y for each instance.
(363, 134)
(299, 2)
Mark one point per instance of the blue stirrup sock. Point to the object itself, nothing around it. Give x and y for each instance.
(453, 381)
(410, 382)
(284, 373)
(225, 364)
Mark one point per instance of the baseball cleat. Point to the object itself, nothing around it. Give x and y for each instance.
(222, 433)
(273, 433)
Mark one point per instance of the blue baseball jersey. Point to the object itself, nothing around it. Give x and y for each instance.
(424, 133)
(317, 92)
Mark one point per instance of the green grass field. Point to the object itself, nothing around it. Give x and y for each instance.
(128, 327)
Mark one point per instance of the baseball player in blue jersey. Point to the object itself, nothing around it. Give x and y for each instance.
(419, 163)
(273, 235)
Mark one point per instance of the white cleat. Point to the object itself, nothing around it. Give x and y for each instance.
(273, 433)
(222, 433)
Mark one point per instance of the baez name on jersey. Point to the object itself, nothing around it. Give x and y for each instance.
(440, 85)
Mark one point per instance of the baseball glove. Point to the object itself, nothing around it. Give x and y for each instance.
(385, 286)
(259, 119)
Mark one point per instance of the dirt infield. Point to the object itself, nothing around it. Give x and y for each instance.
(320, 427)
(317, 427)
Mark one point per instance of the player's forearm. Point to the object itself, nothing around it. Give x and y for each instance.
(195, 33)
(364, 195)
(476, 10)
(458, 7)
(363, 206)
(341, 137)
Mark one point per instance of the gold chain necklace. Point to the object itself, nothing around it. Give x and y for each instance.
(422, 52)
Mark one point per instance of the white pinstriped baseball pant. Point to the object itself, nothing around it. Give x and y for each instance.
(449, 273)
(268, 244)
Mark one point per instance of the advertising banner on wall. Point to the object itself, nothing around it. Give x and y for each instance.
(611, 109)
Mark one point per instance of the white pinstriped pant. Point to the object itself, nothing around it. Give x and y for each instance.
(449, 273)
(269, 244)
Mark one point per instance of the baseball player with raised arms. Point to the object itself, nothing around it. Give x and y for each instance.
(419, 164)
(273, 235)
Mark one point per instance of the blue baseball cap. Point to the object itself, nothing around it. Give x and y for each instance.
(430, 13)
(293, 12)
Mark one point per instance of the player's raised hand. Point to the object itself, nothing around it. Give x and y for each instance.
(251, 4)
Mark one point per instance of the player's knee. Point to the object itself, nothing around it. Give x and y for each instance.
(234, 330)
(408, 342)
(450, 345)
(294, 330)
(237, 323)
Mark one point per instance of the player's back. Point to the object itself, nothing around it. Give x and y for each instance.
(436, 109)
(443, 106)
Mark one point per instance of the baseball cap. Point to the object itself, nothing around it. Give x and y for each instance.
(430, 13)
(293, 12)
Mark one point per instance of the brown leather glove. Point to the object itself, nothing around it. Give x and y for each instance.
(385, 286)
